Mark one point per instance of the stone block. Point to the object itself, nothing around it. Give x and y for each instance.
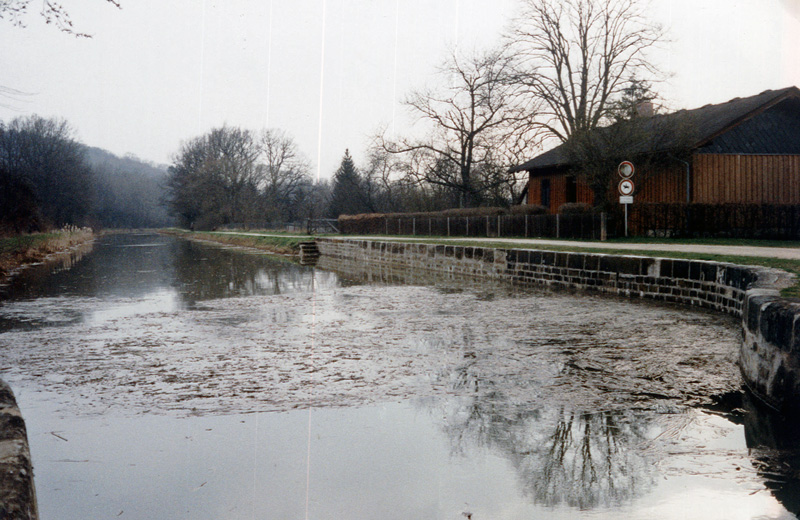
(591, 262)
(777, 323)
(733, 277)
(575, 261)
(608, 264)
(665, 270)
(680, 269)
(753, 306)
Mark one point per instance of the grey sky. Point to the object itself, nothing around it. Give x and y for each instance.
(329, 72)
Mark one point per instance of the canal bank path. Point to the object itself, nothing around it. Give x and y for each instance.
(789, 253)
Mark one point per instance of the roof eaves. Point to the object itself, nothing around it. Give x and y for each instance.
(781, 95)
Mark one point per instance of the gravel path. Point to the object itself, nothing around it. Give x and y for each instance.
(791, 253)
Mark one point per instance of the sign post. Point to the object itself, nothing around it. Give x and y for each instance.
(626, 187)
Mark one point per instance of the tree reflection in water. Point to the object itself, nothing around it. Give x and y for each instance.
(223, 273)
(562, 457)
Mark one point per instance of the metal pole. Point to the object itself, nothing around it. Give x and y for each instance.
(558, 225)
(626, 220)
(498, 225)
(526, 225)
(603, 230)
(448, 226)
(414, 226)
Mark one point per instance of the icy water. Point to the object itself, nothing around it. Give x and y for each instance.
(161, 378)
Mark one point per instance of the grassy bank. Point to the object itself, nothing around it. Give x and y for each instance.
(282, 245)
(21, 250)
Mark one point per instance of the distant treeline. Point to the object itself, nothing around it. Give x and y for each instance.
(49, 179)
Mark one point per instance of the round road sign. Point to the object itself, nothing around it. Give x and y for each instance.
(626, 187)
(625, 169)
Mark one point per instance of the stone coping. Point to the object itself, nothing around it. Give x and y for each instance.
(17, 491)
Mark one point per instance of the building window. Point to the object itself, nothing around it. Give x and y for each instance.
(546, 193)
(572, 189)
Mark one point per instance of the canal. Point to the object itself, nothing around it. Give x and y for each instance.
(163, 378)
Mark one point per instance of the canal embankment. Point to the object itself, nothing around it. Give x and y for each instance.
(770, 349)
(19, 251)
(286, 245)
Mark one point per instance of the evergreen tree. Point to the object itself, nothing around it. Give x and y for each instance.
(347, 196)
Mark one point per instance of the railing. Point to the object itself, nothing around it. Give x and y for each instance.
(297, 227)
(592, 226)
(320, 226)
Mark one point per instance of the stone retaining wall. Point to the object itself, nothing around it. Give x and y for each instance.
(770, 350)
(17, 493)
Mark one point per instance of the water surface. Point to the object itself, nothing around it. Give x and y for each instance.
(163, 378)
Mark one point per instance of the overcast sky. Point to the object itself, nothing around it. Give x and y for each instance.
(329, 72)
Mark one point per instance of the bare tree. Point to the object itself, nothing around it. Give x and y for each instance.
(639, 133)
(52, 12)
(282, 173)
(213, 179)
(575, 57)
(471, 120)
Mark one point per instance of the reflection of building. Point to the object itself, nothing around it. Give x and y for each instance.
(744, 151)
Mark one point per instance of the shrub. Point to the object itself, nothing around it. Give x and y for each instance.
(528, 209)
(572, 208)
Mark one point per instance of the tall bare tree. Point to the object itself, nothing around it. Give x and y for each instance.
(213, 178)
(470, 120)
(283, 174)
(576, 57)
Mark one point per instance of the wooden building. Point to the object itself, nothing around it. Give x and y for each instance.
(746, 150)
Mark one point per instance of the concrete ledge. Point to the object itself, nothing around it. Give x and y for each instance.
(770, 349)
(17, 492)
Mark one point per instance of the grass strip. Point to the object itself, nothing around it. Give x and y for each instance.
(287, 245)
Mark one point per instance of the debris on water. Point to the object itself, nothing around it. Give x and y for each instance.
(54, 434)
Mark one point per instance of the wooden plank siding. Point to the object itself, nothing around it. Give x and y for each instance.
(558, 191)
(661, 184)
(769, 179)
